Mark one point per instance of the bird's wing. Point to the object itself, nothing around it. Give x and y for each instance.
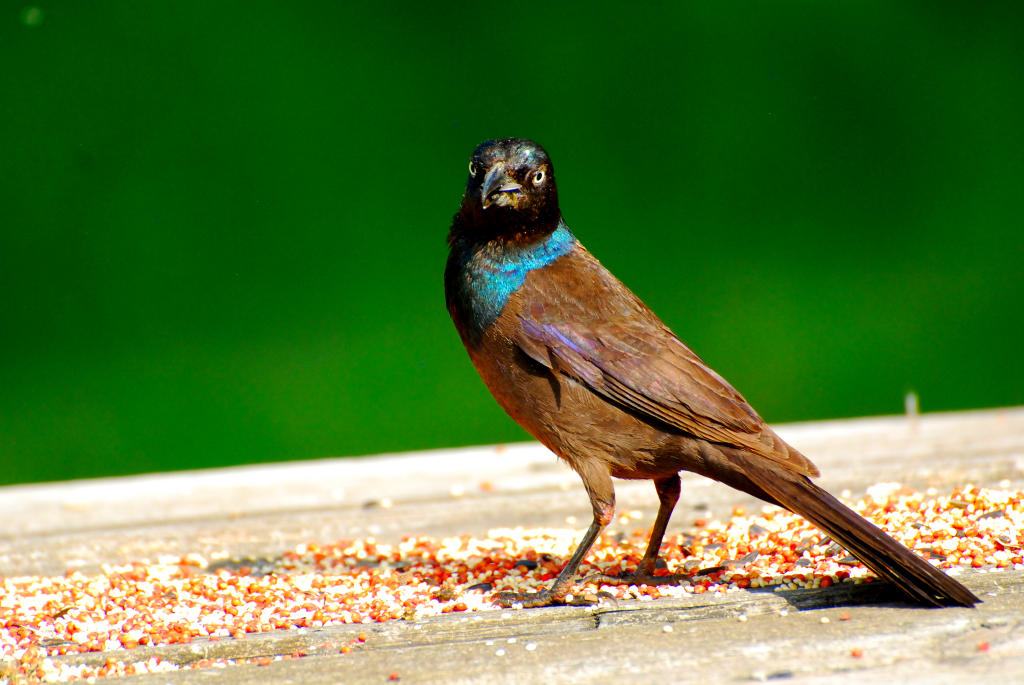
(614, 344)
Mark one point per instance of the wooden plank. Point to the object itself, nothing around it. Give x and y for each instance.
(780, 635)
(263, 511)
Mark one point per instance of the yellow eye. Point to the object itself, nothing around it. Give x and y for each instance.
(472, 168)
(538, 178)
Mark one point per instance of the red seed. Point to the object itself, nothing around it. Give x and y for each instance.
(856, 653)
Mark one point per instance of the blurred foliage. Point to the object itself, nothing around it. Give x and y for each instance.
(222, 226)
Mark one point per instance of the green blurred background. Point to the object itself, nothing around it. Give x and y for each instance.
(222, 225)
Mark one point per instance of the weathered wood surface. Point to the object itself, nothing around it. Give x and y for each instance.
(782, 636)
(262, 511)
(259, 511)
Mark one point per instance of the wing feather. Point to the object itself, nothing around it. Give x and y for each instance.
(616, 346)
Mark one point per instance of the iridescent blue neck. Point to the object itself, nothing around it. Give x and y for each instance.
(487, 275)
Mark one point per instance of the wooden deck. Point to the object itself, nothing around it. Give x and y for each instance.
(262, 511)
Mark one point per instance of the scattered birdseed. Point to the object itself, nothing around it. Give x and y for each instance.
(181, 599)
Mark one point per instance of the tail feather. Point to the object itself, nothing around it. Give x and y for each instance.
(879, 552)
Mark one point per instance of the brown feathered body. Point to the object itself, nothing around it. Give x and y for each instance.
(590, 415)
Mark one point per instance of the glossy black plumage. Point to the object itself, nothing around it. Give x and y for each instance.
(579, 361)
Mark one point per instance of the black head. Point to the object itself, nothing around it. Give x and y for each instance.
(510, 191)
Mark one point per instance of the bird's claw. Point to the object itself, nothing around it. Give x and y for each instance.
(526, 600)
(638, 577)
(544, 598)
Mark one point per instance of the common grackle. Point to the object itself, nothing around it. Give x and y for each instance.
(578, 360)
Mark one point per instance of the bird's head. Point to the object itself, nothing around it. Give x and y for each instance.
(510, 190)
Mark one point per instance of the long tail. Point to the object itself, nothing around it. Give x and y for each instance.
(879, 552)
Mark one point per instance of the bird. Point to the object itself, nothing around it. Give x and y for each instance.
(576, 359)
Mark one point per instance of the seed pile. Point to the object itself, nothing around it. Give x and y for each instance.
(360, 581)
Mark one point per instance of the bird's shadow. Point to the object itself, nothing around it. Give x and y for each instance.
(879, 594)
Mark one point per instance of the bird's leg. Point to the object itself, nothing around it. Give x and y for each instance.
(602, 498)
(668, 494)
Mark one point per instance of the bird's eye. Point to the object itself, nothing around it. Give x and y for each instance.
(538, 178)
(472, 168)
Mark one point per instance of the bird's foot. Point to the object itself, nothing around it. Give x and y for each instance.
(638, 577)
(544, 598)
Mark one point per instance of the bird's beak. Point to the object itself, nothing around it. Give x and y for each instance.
(499, 188)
